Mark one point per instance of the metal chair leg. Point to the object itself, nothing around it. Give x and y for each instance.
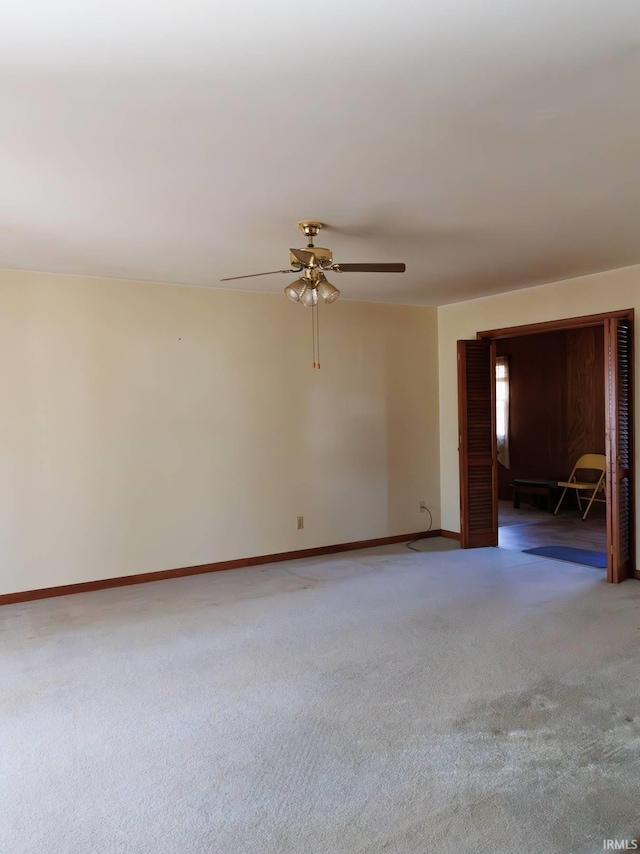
(593, 496)
(555, 512)
(589, 505)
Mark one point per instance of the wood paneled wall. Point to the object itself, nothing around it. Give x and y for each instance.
(557, 402)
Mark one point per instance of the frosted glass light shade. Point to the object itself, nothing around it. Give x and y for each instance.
(296, 289)
(327, 291)
(309, 297)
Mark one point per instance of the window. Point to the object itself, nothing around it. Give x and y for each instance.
(502, 409)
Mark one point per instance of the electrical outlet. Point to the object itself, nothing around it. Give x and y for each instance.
(299, 523)
(423, 507)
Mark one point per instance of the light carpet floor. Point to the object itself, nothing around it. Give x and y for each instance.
(379, 701)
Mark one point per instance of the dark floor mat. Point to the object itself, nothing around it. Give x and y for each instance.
(583, 556)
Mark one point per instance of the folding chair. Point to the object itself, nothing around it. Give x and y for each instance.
(592, 462)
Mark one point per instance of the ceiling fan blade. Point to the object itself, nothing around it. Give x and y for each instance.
(369, 268)
(304, 257)
(253, 275)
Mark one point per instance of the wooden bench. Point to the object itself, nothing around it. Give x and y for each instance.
(534, 489)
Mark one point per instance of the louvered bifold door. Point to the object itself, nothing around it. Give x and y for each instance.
(619, 409)
(477, 444)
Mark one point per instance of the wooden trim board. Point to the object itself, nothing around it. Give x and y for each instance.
(555, 325)
(163, 575)
(451, 535)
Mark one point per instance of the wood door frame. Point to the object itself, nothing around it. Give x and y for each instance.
(557, 325)
(563, 325)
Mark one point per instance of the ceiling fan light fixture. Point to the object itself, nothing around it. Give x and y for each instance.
(327, 291)
(309, 297)
(296, 290)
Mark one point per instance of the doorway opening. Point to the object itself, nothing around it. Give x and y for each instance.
(533, 401)
(550, 412)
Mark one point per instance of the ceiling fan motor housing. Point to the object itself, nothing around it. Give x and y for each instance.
(324, 257)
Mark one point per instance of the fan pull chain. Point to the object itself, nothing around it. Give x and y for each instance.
(313, 335)
(315, 332)
(317, 336)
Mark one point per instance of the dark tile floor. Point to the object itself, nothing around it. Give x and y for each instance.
(530, 527)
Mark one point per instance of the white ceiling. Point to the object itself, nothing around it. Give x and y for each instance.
(489, 145)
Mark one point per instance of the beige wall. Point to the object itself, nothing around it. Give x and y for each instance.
(148, 426)
(617, 289)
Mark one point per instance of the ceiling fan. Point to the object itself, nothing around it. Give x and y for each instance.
(313, 262)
